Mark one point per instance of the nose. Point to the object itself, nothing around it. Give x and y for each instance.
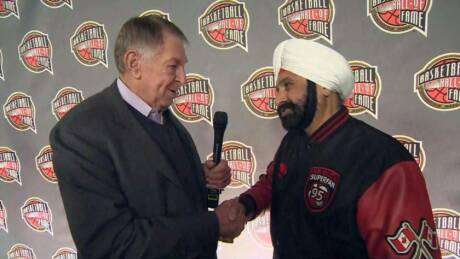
(280, 96)
(180, 75)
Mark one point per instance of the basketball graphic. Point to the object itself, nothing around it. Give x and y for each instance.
(258, 93)
(309, 20)
(366, 91)
(399, 16)
(225, 24)
(194, 99)
(437, 84)
(241, 161)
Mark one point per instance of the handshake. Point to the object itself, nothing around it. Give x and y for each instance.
(232, 219)
(230, 213)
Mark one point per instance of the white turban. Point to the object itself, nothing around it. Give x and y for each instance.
(315, 62)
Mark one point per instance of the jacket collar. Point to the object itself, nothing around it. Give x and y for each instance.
(331, 125)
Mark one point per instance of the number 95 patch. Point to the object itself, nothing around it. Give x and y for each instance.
(320, 186)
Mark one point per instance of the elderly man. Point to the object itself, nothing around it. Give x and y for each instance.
(337, 187)
(129, 174)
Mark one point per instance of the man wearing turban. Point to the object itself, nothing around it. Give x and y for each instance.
(337, 187)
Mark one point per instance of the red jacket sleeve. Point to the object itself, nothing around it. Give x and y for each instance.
(261, 192)
(394, 215)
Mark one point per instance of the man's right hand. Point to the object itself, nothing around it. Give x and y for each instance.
(231, 219)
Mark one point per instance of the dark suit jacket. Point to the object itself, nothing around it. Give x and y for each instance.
(121, 195)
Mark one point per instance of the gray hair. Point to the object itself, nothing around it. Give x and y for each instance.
(143, 33)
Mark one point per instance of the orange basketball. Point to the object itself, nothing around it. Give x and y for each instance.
(218, 35)
(391, 17)
(300, 26)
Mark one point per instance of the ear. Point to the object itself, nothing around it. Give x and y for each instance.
(132, 59)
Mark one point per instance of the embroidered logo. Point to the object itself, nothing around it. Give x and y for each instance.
(321, 185)
(406, 237)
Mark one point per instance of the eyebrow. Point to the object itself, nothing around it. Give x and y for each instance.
(284, 80)
(175, 60)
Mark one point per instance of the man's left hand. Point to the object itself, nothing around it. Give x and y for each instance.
(217, 176)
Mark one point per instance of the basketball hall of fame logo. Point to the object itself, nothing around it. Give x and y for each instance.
(307, 19)
(258, 93)
(156, 12)
(399, 16)
(10, 166)
(65, 253)
(89, 44)
(414, 147)
(259, 229)
(366, 91)
(65, 99)
(9, 7)
(3, 218)
(241, 161)
(225, 24)
(19, 110)
(21, 251)
(57, 3)
(194, 99)
(448, 231)
(37, 215)
(44, 164)
(36, 52)
(437, 84)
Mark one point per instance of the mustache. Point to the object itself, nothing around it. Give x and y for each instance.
(285, 106)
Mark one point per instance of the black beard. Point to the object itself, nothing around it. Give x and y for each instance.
(300, 117)
(293, 119)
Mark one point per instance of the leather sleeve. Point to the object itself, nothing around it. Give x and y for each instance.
(394, 215)
(261, 192)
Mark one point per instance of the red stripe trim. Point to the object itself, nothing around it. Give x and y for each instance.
(331, 125)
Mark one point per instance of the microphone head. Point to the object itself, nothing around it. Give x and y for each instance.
(220, 120)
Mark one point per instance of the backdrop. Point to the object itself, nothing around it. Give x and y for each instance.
(405, 55)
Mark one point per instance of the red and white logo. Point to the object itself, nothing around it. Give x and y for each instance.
(57, 3)
(37, 215)
(66, 99)
(225, 25)
(10, 166)
(89, 44)
(448, 229)
(259, 229)
(194, 99)
(437, 84)
(36, 52)
(19, 110)
(241, 161)
(366, 92)
(44, 164)
(414, 147)
(309, 20)
(406, 238)
(21, 251)
(2, 75)
(155, 12)
(65, 253)
(259, 92)
(320, 186)
(3, 217)
(399, 16)
(9, 7)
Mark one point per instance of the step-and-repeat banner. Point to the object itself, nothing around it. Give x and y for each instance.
(405, 55)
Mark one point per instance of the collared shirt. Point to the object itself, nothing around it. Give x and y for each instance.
(137, 103)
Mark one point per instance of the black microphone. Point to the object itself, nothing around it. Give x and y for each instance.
(219, 124)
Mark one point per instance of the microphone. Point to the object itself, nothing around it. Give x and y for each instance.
(219, 124)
